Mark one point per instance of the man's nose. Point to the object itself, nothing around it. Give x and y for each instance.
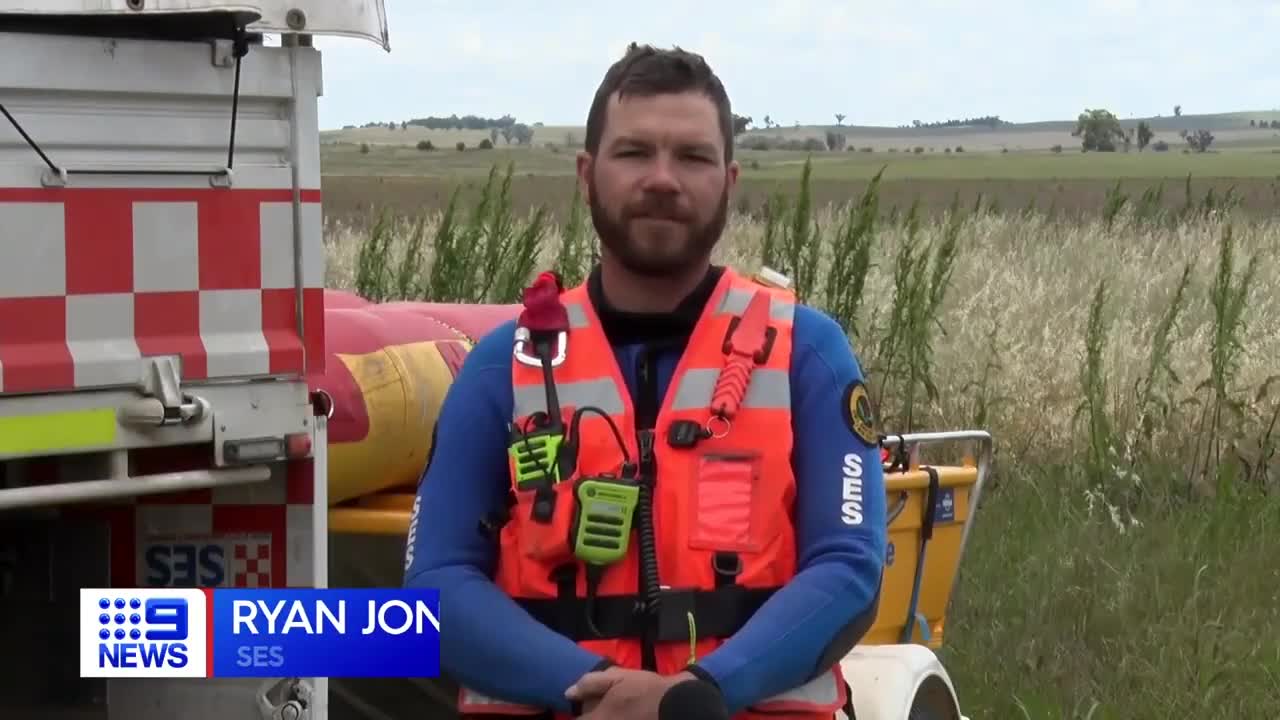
(661, 176)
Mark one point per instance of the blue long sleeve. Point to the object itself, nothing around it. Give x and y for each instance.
(487, 642)
(840, 558)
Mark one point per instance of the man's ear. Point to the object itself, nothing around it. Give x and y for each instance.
(731, 175)
(584, 161)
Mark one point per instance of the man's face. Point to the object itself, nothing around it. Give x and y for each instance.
(658, 187)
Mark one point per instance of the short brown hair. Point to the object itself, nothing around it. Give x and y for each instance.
(646, 71)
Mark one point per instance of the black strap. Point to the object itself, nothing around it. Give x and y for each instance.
(926, 534)
(717, 613)
(900, 460)
(931, 505)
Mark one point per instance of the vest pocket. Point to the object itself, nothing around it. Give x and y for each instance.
(545, 520)
(723, 502)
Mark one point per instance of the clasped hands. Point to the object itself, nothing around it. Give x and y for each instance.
(621, 694)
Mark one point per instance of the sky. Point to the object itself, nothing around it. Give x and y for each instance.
(879, 62)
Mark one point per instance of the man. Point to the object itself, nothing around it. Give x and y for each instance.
(755, 558)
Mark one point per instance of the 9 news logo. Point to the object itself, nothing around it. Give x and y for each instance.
(151, 633)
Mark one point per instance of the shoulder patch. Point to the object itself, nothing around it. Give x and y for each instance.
(857, 413)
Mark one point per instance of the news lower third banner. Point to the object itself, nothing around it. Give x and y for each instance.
(294, 632)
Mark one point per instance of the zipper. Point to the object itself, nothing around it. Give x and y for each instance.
(649, 582)
(648, 465)
(648, 571)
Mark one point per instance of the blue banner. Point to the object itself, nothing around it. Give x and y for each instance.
(330, 632)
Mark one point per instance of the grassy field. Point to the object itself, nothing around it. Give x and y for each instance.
(369, 168)
(1120, 346)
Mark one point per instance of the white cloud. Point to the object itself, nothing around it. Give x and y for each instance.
(804, 60)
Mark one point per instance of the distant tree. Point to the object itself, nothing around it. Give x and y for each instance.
(740, 123)
(1099, 131)
(466, 122)
(1177, 111)
(425, 145)
(493, 137)
(1200, 140)
(835, 140)
(1253, 123)
(485, 144)
(991, 121)
(840, 118)
(1144, 135)
(461, 146)
(523, 134)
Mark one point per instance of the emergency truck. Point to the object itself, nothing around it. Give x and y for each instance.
(183, 403)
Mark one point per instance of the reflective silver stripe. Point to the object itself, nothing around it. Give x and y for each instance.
(600, 393)
(472, 698)
(821, 691)
(577, 315)
(768, 389)
(735, 303)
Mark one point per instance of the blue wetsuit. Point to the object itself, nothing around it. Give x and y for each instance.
(494, 647)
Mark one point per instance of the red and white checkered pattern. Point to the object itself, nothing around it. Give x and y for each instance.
(251, 564)
(92, 279)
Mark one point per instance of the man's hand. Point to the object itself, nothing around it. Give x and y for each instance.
(621, 693)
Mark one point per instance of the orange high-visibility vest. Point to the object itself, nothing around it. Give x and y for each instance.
(722, 503)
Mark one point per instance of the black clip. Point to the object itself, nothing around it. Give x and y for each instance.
(727, 566)
(686, 434)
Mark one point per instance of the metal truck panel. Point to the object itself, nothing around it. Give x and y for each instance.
(140, 241)
(364, 19)
(270, 534)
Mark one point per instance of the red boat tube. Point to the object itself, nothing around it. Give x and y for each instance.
(388, 367)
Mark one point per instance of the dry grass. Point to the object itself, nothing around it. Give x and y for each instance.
(1125, 366)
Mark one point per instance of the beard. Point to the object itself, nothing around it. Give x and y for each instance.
(656, 238)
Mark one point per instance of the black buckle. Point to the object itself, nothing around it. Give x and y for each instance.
(727, 567)
(770, 335)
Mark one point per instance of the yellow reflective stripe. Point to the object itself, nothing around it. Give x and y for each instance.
(51, 432)
(735, 303)
(769, 389)
(600, 393)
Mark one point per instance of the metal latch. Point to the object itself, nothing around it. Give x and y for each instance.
(285, 699)
(163, 403)
(223, 53)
